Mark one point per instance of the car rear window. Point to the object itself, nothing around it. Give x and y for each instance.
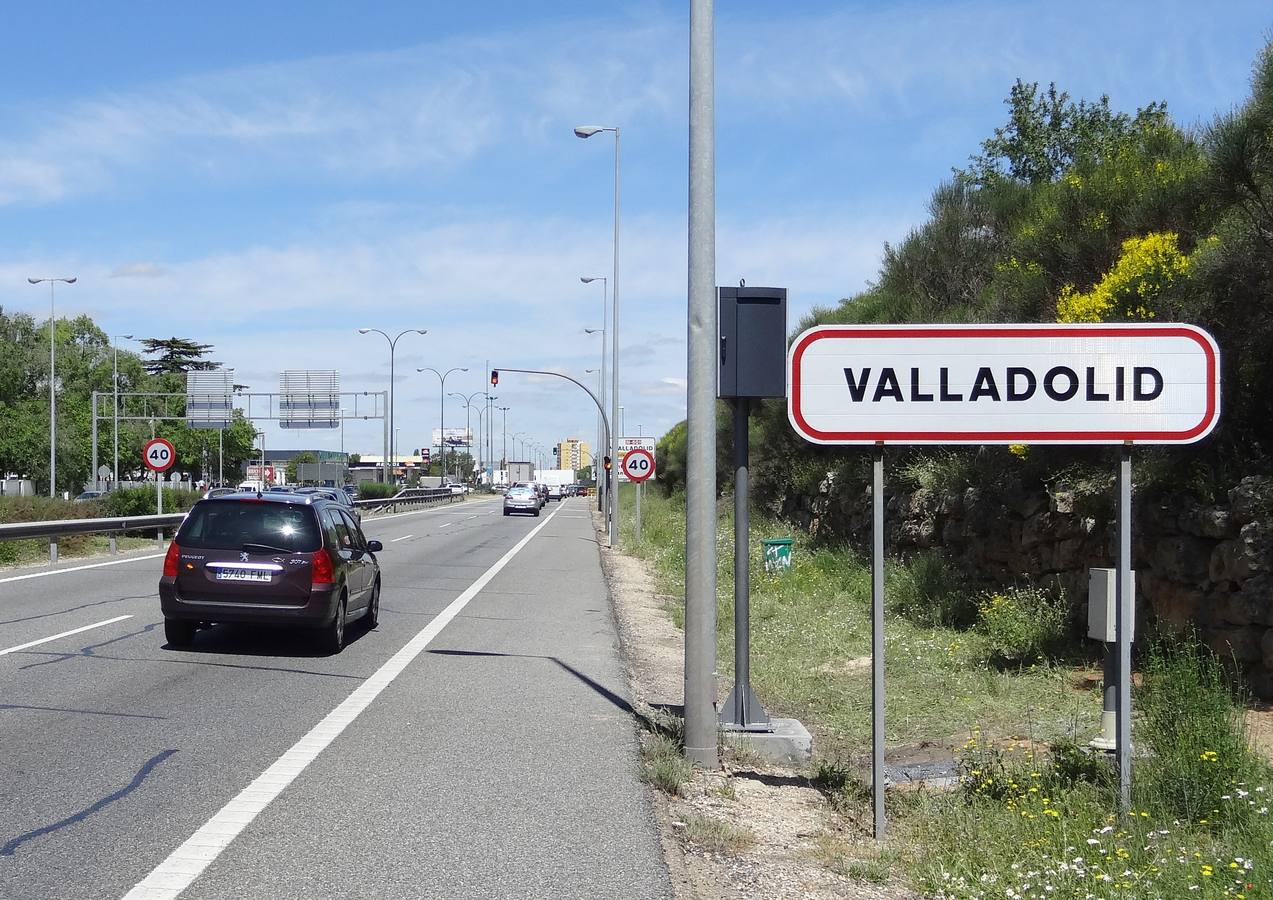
(229, 524)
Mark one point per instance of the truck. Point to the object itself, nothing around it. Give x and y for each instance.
(557, 477)
(520, 471)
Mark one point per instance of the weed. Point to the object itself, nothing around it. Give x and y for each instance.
(714, 835)
(844, 789)
(663, 765)
(1022, 623)
(929, 592)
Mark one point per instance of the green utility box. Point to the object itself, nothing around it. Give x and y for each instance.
(777, 554)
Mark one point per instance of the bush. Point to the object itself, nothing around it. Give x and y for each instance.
(1021, 623)
(927, 591)
(1198, 757)
(141, 501)
(376, 490)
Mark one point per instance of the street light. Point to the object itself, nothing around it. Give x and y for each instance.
(53, 377)
(504, 410)
(115, 382)
(393, 344)
(442, 408)
(585, 132)
(468, 406)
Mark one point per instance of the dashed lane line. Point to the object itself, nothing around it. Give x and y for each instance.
(63, 634)
(172, 876)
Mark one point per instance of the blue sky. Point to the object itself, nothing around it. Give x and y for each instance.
(268, 178)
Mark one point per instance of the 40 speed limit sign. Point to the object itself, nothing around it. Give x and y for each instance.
(158, 455)
(638, 464)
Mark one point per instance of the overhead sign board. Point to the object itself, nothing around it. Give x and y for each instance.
(627, 444)
(309, 399)
(1002, 384)
(208, 398)
(455, 437)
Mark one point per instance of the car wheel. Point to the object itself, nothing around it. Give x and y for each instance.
(373, 608)
(178, 632)
(505, 512)
(536, 514)
(333, 634)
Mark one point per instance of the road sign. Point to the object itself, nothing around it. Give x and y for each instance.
(158, 455)
(637, 465)
(627, 445)
(1003, 384)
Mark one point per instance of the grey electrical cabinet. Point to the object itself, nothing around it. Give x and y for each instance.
(753, 342)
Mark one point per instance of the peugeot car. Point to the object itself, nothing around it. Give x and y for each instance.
(270, 559)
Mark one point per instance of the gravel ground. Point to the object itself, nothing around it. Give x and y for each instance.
(796, 837)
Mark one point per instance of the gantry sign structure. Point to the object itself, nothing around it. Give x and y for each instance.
(306, 399)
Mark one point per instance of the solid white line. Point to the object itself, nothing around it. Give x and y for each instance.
(403, 538)
(63, 634)
(113, 562)
(187, 862)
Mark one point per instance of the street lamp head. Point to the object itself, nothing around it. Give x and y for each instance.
(464, 369)
(592, 331)
(420, 330)
(587, 131)
(127, 337)
(364, 331)
(35, 280)
(70, 280)
(589, 279)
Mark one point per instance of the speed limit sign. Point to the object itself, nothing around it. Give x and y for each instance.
(158, 455)
(638, 464)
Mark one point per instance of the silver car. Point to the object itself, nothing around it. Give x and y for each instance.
(521, 499)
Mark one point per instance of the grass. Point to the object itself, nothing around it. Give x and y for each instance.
(1034, 814)
(663, 765)
(714, 835)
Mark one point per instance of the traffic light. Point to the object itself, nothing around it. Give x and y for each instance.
(494, 377)
(554, 451)
(606, 461)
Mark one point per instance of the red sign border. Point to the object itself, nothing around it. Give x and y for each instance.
(624, 465)
(823, 332)
(145, 454)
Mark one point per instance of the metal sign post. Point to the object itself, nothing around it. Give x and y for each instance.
(877, 640)
(1125, 606)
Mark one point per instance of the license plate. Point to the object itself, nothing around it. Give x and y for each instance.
(242, 575)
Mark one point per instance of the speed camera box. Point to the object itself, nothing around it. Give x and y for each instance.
(753, 342)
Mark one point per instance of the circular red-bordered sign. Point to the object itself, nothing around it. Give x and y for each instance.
(158, 455)
(638, 464)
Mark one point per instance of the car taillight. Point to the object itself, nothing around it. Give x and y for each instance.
(322, 572)
(170, 560)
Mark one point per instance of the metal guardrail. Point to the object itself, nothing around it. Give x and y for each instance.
(409, 497)
(12, 531)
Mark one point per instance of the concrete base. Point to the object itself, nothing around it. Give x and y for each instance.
(789, 744)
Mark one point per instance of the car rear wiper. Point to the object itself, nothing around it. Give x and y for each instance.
(265, 548)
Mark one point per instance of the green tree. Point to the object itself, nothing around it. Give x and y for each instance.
(293, 465)
(176, 355)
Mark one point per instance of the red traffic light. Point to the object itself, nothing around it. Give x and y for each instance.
(494, 377)
(606, 461)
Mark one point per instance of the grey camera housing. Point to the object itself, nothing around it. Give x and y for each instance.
(752, 348)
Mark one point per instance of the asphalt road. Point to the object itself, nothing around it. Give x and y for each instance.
(477, 744)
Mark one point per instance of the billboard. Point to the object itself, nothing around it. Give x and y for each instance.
(455, 437)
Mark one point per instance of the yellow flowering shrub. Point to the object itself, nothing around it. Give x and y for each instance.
(1146, 267)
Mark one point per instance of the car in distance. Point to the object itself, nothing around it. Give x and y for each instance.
(89, 495)
(218, 492)
(522, 499)
(555, 492)
(269, 559)
(335, 496)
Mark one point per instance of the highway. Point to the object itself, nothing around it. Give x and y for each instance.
(477, 744)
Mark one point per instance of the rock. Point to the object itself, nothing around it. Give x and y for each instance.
(1063, 502)
(1252, 604)
(1175, 604)
(1251, 499)
(1241, 645)
(1182, 559)
(1209, 522)
(1260, 680)
(1266, 647)
(1028, 503)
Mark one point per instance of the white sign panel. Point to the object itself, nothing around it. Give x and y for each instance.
(455, 437)
(1002, 384)
(632, 443)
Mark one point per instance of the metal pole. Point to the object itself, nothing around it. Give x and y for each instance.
(220, 458)
(115, 424)
(442, 422)
(877, 641)
(614, 350)
(96, 485)
(700, 499)
(52, 397)
(393, 435)
(640, 491)
(1125, 604)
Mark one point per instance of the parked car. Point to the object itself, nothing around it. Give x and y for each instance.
(522, 498)
(270, 559)
(89, 495)
(458, 488)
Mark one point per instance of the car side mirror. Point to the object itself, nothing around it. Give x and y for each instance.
(375, 546)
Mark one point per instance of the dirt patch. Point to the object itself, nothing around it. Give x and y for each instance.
(786, 841)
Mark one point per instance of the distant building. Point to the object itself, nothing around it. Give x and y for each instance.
(573, 453)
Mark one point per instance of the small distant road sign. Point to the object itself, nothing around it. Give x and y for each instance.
(638, 464)
(158, 455)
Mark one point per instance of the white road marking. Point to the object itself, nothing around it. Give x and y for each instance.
(403, 538)
(187, 862)
(447, 525)
(46, 573)
(64, 634)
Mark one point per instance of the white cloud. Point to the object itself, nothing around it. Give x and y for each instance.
(137, 270)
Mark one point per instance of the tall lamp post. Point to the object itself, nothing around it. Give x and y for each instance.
(585, 132)
(442, 408)
(468, 406)
(115, 384)
(70, 279)
(393, 437)
(601, 382)
(504, 410)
